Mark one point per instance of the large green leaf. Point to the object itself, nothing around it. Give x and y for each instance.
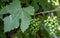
(17, 13)
(3, 11)
(25, 16)
(10, 23)
(29, 10)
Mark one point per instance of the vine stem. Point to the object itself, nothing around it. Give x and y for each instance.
(46, 11)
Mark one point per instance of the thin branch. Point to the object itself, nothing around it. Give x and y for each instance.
(46, 11)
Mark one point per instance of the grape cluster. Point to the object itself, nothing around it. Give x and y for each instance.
(52, 24)
(34, 25)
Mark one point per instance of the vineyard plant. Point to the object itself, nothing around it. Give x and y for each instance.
(29, 18)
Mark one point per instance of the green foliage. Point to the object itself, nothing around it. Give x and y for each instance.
(4, 0)
(35, 5)
(1, 16)
(29, 19)
(25, 17)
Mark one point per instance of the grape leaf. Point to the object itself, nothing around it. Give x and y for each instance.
(17, 13)
(12, 21)
(25, 16)
(10, 24)
(3, 11)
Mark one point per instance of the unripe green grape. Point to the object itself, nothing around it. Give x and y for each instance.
(52, 33)
(37, 19)
(39, 22)
(51, 20)
(32, 27)
(56, 23)
(49, 24)
(45, 21)
(53, 26)
(35, 25)
(52, 23)
(55, 17)
(49, 17)
(53, 29)
(33, 21)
